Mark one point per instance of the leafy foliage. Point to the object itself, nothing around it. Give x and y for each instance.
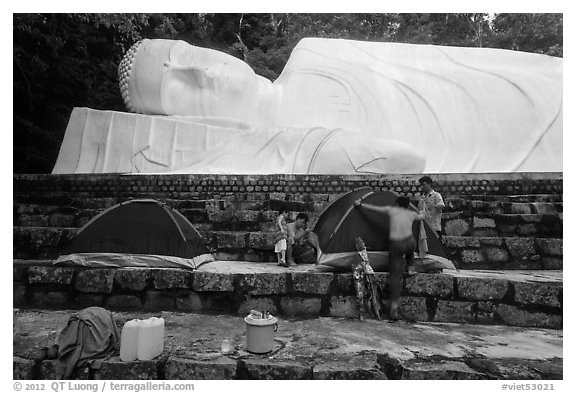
(67, 60)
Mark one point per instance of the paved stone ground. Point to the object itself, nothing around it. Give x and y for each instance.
(320, 348)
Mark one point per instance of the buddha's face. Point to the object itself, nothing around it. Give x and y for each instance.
(175, 78)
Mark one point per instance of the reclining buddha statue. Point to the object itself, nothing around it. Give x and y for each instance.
(338, 107)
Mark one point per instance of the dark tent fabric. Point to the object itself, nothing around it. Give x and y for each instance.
(341, 223)
(143, 227)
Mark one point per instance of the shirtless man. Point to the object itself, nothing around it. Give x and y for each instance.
(402, 244)
(303, 244)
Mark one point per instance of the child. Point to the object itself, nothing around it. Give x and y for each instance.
(280, 247)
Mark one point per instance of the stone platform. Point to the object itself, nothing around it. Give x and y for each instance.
(515, 298)
(319, 348)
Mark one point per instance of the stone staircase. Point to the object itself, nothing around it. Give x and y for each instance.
(236, 215)
(503, 230)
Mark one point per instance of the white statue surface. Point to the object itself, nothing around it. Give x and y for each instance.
(339, 107)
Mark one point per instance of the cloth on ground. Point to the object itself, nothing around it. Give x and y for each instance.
(91, 334)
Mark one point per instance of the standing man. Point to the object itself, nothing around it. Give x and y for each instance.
(431, 205)
(303, 245)
(402, 244)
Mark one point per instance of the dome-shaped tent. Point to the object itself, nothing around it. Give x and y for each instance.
(340, 223)
(141, 232)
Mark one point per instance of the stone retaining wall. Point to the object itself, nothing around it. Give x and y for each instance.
(208, 186)
(236, 214)
(427, 297)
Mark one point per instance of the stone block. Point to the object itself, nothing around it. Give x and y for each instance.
(89, 299)
(264, 283)
(520, 248)
(259, 369)
(440, 285)
(552, 247)
(189, 303)
(480, 288)
(95, 280)
(171, 278)
(484, 232)
(485, 312)
(261, 240)
(439, 370)
(520, 208)
(457, 227)
(344, 307)
(159, 301)
(527, 229)
(257, 303)
(538, 293)
(313, 283)
(351, 369)
(483, 222)
(18, 294)
(124, 302)
(217, 369)
(22, 369)
(62, 220)
(299, 306)
(515, 316)
(552, 263)
(132, 279)
(115, 369)
(454, 311)
(227, 240)
(247, 216)
(461, 242)
(490, 241)
(472, 256)
(226, 256)
(543, 208)
(50, 275)
(414, 308)
(342, 284)
(20, 273)
(49, 299)
(213, 282)
(496, 254)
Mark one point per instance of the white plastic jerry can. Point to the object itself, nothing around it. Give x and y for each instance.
(129, 341)
(150, 338)
(142, 339)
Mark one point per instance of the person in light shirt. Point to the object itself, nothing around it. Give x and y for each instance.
(431, 203)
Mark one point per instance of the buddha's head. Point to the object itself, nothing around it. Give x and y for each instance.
(175, 78)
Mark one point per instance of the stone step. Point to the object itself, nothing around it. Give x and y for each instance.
(467, 223)
(508, 253)
(498, 207)
(468, 252)
(517, 298)
(222, 214)
(551, 197)
(322, 348)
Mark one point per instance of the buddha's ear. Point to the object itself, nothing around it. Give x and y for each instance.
(182, 54)
(193, 76)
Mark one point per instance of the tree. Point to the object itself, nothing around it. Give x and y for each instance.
(538, 33)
